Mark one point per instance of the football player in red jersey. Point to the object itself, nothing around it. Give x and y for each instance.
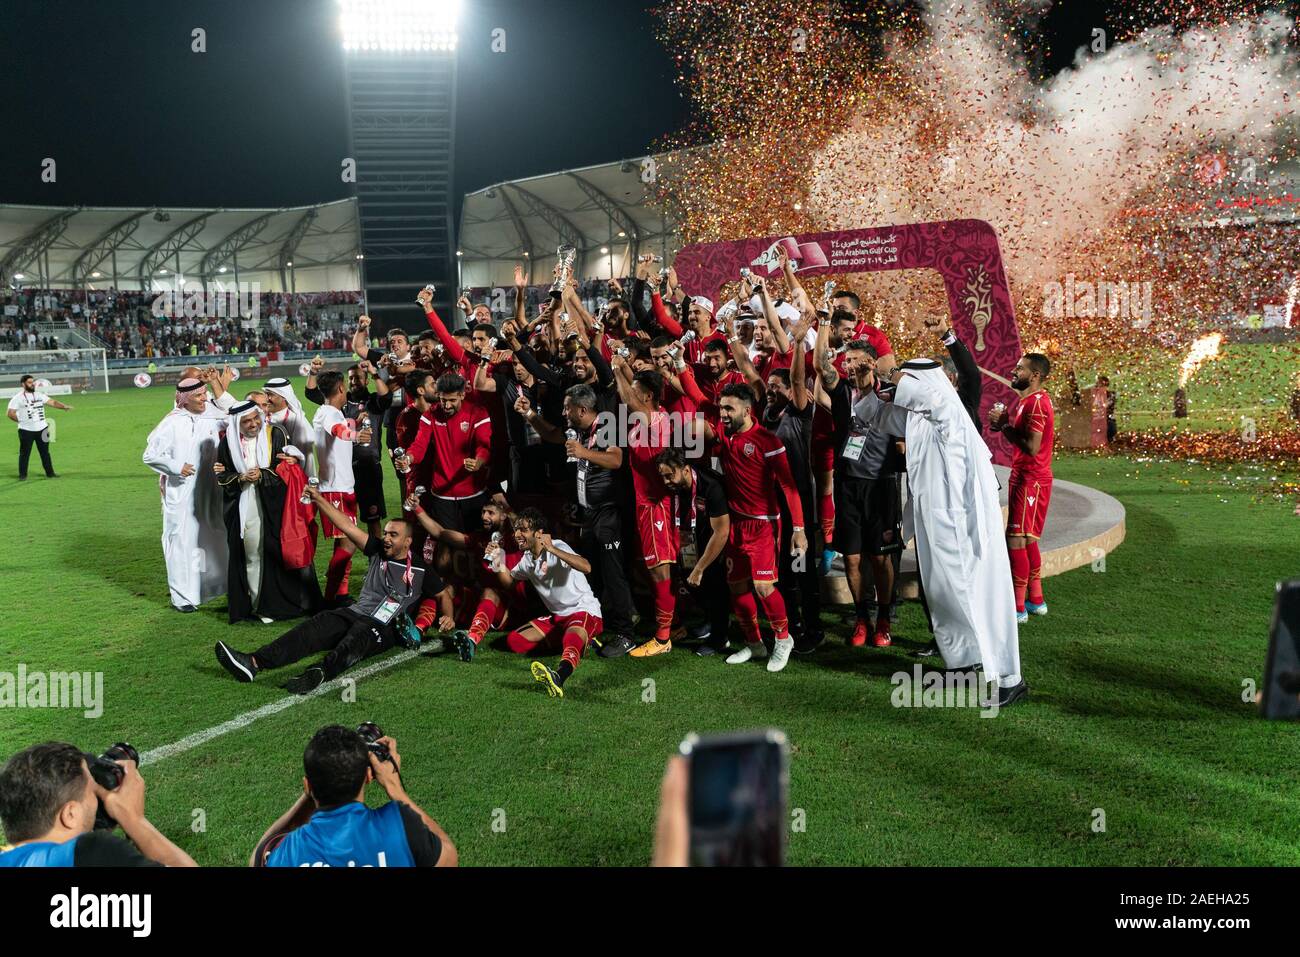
(754, 466)
(1030, 428)
(656, 506)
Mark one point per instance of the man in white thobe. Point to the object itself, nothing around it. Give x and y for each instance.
(954, 514)
(287, 411)
(182, 449)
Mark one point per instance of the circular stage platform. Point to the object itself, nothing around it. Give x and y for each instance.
(1083, 524)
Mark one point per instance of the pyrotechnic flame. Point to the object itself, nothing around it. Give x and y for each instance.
(1202, 350)
(1291, 297)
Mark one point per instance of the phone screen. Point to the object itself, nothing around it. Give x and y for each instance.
(738, 790)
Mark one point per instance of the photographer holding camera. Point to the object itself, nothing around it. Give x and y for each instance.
(57, 813)
(330, 826)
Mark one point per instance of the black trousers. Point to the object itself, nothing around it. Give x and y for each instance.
(603, 546)
(714, 594)
(345, 635)
(26, 438)
(802, 590)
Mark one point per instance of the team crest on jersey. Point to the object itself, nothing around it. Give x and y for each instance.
(464, 426)
(749, 448)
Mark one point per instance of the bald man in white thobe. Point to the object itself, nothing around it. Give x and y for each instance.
(954, 514)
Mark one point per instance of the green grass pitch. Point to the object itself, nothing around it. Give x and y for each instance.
(1137, 708)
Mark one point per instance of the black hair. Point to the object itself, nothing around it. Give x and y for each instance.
(850, 296)
(659, 342)
(330, 382)
(416, 378)
(25, 378)
(399, 332)
(531, 518)
(426, 336)
(782, 374)
(335, 762)
(34, 784)
(715, 345)
(673, 458)
(486, 327)
(652, 382)
(403, 520)
(1039, 364)
(637, 348)
(450, 382)
(862, 345)
(738, 390)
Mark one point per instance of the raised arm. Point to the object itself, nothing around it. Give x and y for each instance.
(342, 522)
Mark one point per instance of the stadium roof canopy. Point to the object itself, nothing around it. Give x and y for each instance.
(303, 248)
(593, 208)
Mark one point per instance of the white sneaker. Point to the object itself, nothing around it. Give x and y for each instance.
(781, 649)
(755, 652)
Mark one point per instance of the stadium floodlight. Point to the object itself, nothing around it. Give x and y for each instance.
(19, 275)
(221, 269)
(399, 26)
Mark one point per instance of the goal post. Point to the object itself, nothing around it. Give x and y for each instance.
(68, 371)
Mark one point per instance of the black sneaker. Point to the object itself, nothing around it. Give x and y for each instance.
(185, 609)
(464, 645)
(618, 647)
(308, 681)
(1009, 696)
(809, 642)
(236, 662)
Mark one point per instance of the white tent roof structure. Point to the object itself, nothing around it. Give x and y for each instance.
(594, 208)
(303, 248)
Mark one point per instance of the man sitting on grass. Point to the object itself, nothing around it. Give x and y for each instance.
(395, 581)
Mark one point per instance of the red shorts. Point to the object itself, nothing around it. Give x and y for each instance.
(822, 458)
(345, 502)
(553, 627)
(656, 525)
(464, 602)
(751, 549)
(1027, 501)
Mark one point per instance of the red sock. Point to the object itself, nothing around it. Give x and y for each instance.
(828, 516)
(574, 645)
(483, 616)
(774, 608)
(1019, 575)
(1035, 572)
(519, 644)
(665, 605)
(746, 611)
(336, 578)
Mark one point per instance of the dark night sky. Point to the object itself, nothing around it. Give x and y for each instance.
(111, 91)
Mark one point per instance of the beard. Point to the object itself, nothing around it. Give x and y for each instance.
(1019, 383)
(731, 426)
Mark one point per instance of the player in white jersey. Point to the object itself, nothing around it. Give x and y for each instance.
(559, 575)
(333, 437)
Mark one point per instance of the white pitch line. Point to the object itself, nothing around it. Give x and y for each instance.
(189, 742)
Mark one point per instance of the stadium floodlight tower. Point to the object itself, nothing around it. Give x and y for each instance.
(400, 70)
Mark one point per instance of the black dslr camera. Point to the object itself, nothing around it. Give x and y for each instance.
(108, 774)
(371, 733)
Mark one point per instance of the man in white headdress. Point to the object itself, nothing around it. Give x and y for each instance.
(953, 511)
(287, 411)
(182, 449)
(261, 585)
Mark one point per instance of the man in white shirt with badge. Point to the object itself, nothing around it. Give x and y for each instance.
(27, 408)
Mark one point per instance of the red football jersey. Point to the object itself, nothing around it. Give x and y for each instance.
(442, 445)
(1034, 413)
(644, 442)
(754, 466)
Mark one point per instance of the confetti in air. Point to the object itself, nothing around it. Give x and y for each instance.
(1141, 192)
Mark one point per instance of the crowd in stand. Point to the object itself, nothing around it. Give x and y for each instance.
(136, 324)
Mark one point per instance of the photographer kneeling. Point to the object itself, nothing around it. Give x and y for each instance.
(330, 826)
(48, 804)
